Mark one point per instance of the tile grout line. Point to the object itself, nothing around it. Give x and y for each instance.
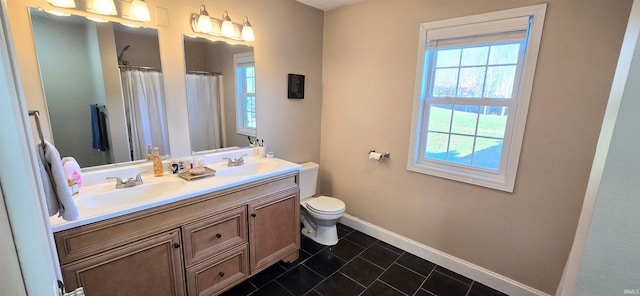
(385, 270)
(347, 262)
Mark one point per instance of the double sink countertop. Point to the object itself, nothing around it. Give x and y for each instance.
(98, 201)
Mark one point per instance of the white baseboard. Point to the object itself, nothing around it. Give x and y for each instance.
(470, 270)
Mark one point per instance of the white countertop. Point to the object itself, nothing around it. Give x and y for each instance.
(180, 189)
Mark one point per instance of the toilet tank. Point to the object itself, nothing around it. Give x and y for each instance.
(308, 179)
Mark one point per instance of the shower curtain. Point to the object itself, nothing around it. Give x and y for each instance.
(145, 110)
(204, 111)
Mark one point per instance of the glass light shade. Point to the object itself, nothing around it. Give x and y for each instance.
(227, 26)
(140, 11)
(204, 23)
(247, 30)
(106, 7)
(63, 3)
(247, 33)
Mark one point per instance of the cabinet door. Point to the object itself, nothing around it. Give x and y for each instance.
(152, 266)
(274, 234)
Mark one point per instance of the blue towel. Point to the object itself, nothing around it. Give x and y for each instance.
(99, 128)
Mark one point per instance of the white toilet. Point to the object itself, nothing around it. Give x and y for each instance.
(318, 214)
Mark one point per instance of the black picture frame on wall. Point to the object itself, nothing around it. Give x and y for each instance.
(295, 86)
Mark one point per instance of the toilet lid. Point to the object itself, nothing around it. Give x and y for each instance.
(325, 204)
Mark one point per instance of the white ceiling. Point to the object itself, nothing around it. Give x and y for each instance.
(327, 5)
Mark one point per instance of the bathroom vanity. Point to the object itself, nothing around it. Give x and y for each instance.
(197, 245)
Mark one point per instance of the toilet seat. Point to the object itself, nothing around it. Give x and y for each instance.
(325, 205)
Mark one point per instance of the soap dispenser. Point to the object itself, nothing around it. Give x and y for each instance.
(157, 163)
(149, 154)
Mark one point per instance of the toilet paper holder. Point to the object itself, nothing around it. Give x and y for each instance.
(386, 155)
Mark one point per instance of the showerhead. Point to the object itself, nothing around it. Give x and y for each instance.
(121, 61)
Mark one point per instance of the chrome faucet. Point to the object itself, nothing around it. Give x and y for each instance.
(235, 162)
(128, 182)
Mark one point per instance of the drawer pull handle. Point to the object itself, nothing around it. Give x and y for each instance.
(221, 274)
(253, 215)
(176, 245)
(218, 235)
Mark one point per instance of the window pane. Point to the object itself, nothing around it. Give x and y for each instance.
(493, 121)
(474, 56)
(445, 82)
(465, 118)
(487, 153)
(504, 54)
(448, 58)
(251, 84)
(440, 117)
(500, 82)
(250, 111)
(437, 146)
(460, 149)
(471, 81)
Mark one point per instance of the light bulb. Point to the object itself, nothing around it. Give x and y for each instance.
(247, 31)
(106, 7)
(227, 26)
(140, 11)
(204, 21)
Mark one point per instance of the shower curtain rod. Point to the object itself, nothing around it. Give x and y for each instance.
(139, 68)
(204, 72)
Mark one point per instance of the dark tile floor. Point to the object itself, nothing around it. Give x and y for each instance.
(358, 265)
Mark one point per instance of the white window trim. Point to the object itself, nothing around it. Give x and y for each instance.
(506, 180)
(241, 58)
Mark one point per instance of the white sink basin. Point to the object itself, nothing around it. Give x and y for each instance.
(254, 167)
(111, 198)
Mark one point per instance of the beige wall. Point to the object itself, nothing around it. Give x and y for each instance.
(288, 40)
(370, 52)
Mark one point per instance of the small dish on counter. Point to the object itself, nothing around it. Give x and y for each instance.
(197, 173)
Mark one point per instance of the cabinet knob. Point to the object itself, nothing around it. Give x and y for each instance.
(253, 215)
(218, 235)
(221, 274)
(176, 245)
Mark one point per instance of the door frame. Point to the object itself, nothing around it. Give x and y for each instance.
(22, 187)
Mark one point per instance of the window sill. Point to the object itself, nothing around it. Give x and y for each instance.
(469, 176)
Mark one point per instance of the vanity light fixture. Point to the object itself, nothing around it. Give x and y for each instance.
(139, 11)
(227, 26)
(63, 3)
(247, 31)
(204, 21)
(105, 7)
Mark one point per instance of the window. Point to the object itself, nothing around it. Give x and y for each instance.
(473, 86)
(245, 93)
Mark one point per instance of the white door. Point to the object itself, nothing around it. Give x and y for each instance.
(22, 189)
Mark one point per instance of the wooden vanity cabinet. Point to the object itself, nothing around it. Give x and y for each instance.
(151, 266)
(199, 246)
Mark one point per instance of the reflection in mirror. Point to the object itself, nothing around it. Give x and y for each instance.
(219, 102)
(103, 88)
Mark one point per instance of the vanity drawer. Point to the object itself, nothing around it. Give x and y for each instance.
(214, 234)
(212, 276)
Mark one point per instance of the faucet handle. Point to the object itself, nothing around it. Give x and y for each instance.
(240, 160)
(139, 177)
(119, 183)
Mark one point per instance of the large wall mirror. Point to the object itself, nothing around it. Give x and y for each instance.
(221, 94)
(103, 87)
